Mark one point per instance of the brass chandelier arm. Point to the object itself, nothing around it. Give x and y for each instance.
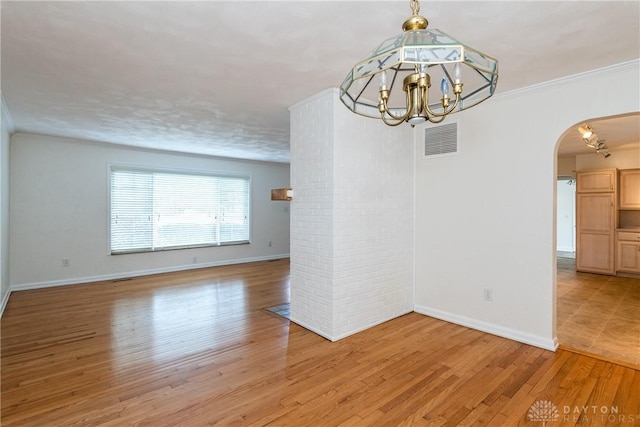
(389, 123)
(393, 116)
(424, 99)
(416, 87)
(433, 120)
(445, 111)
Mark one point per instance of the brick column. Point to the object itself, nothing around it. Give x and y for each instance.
(351, 218)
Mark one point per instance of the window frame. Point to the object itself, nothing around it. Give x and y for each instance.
(111, 167)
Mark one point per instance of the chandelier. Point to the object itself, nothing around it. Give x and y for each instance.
(411, 61)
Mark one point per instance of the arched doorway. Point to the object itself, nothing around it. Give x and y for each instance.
(595, 313)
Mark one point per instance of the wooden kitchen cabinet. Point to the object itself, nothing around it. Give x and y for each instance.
(595, 237)
(629, 189)
(628, 247)
(597, 181)
(596, 221)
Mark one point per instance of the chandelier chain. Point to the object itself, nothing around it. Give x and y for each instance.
(415, 7)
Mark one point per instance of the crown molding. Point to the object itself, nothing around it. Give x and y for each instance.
(623, 66)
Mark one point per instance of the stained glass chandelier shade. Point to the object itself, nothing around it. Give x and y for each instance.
(393, 82)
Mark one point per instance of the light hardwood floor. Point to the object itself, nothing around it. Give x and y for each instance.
(599, 314)
(199, 348)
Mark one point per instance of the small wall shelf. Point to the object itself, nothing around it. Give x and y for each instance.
(281, 194)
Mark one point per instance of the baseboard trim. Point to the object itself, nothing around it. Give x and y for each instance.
(139, 273)
(335, 338)
(316, 331)
(370, 325)
(5, 301)
(490, 328)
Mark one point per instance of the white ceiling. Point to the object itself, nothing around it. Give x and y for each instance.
(217, 77)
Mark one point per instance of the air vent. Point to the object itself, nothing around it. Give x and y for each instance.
(439, 140)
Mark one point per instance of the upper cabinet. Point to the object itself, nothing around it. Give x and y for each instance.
(629, 189)
(597, 181)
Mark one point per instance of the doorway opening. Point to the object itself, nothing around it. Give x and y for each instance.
(566, 217)
(596, 314)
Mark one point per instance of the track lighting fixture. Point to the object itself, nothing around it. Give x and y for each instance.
(585, 130)
(593, 140)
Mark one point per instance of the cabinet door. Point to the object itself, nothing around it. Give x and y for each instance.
(595, 250)
(594, 253)
(629, 256)
(596, 181)
(595, 213)
(630, 189)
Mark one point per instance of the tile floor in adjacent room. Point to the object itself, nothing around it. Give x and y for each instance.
(599, 314)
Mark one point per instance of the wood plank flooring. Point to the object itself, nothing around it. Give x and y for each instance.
(199, 348)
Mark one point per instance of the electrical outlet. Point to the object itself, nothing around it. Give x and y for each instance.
(269, 243)
(65, 262)
(195, 260)
(487, 294)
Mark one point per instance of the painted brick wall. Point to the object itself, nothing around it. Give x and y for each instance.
(311, 247)
(351, 218)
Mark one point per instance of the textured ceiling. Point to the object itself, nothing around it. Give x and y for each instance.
(217, 78)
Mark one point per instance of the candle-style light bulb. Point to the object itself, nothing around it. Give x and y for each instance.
(444, 87)
(457, 73)
(383, 80)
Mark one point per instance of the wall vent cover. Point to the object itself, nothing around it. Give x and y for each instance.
(439, 140)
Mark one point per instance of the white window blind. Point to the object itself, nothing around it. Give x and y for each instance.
(152, 210)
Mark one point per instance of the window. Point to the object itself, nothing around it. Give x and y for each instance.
(157, 210)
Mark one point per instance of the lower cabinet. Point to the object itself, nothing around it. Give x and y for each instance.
(595, 254)
(628, 252)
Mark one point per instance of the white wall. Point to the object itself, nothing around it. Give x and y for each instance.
(6, 127)
(59, 209)
(475, 229)
(351, 219)
(567, 166)
(624, 159)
